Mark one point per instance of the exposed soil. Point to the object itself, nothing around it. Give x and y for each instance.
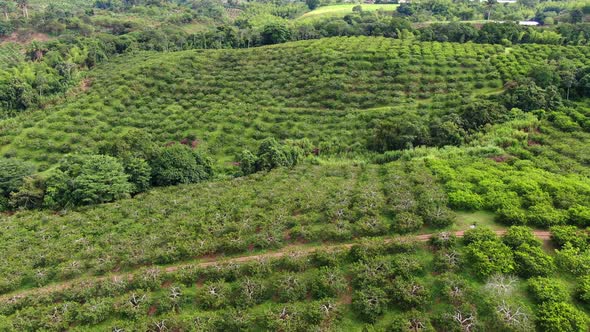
(25, 37)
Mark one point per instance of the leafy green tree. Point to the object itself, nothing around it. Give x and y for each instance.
(479, 113)
(573, 260)
(583, 289)
(465, 200)
(406, 222)
(547, 290)
(532, 261)
(247, 162)
(561, 317)
(271, 155)
(7, 7)
(275, 33)
(369, 303)
(489, 257)
(519, 235)
(409, 294)
(177, 164)
(561, 235)
(399, 133)
(479, 234)
(12, 174)
(326, 283)
(312, 4)
(30, 195)
(139, 172)
(411, 321)
(83, 180)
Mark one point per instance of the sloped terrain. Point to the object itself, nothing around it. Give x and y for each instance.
(328, 91)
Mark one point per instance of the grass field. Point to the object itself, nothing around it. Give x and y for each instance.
(342, 10)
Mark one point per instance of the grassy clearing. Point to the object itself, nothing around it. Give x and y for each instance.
(479, 218)
(342, 10)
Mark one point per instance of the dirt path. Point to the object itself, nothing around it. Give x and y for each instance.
(288, 250)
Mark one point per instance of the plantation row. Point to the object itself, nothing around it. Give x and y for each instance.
(308, 204)
(10, 55)
(392, 285)
(288, 91)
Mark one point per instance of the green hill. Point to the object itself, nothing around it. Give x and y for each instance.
(328, 91)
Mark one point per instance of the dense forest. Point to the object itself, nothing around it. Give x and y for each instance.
(278, 165)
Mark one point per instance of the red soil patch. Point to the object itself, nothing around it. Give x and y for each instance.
(499, 159)
(25, 37)
(86, 84)
(152, 311)
(533, 143)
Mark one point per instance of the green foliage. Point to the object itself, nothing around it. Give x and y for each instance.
(489, 257)
(479, 113)
(532, 261)
(369, 303)
(479, 234)
(583, 289)
(519, 235)
(275, 33)
(83, 180)
(561, 317)
(177, 164)
(12, 175)
(547, 290)
(271, 154)
(573, 260)
(561, 235)
(402, 133)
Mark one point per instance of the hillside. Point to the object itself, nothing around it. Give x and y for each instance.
(327, 91)
(294, 166)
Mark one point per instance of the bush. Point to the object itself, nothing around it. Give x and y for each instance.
(465, 200)
(369, 303)
(139, 172)
(560, 235)
(561, 317)
(83, 180)
(486, 258)
(247, 162)
(547, 290)
(12, 174)
(479, 234)
(532, 261)
(583, 289)
(406, 222)
(519, 235)
(178, 164)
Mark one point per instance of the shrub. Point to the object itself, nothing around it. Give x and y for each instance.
(532, 261)
(369, 303)
(465, 200)
(178, 164)
(547, 290)
(406, 222)
(519, 235)
(12, 174)
(82, 180)
(479, 234)
(583, 289)
(561, 317)
(486, 258)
